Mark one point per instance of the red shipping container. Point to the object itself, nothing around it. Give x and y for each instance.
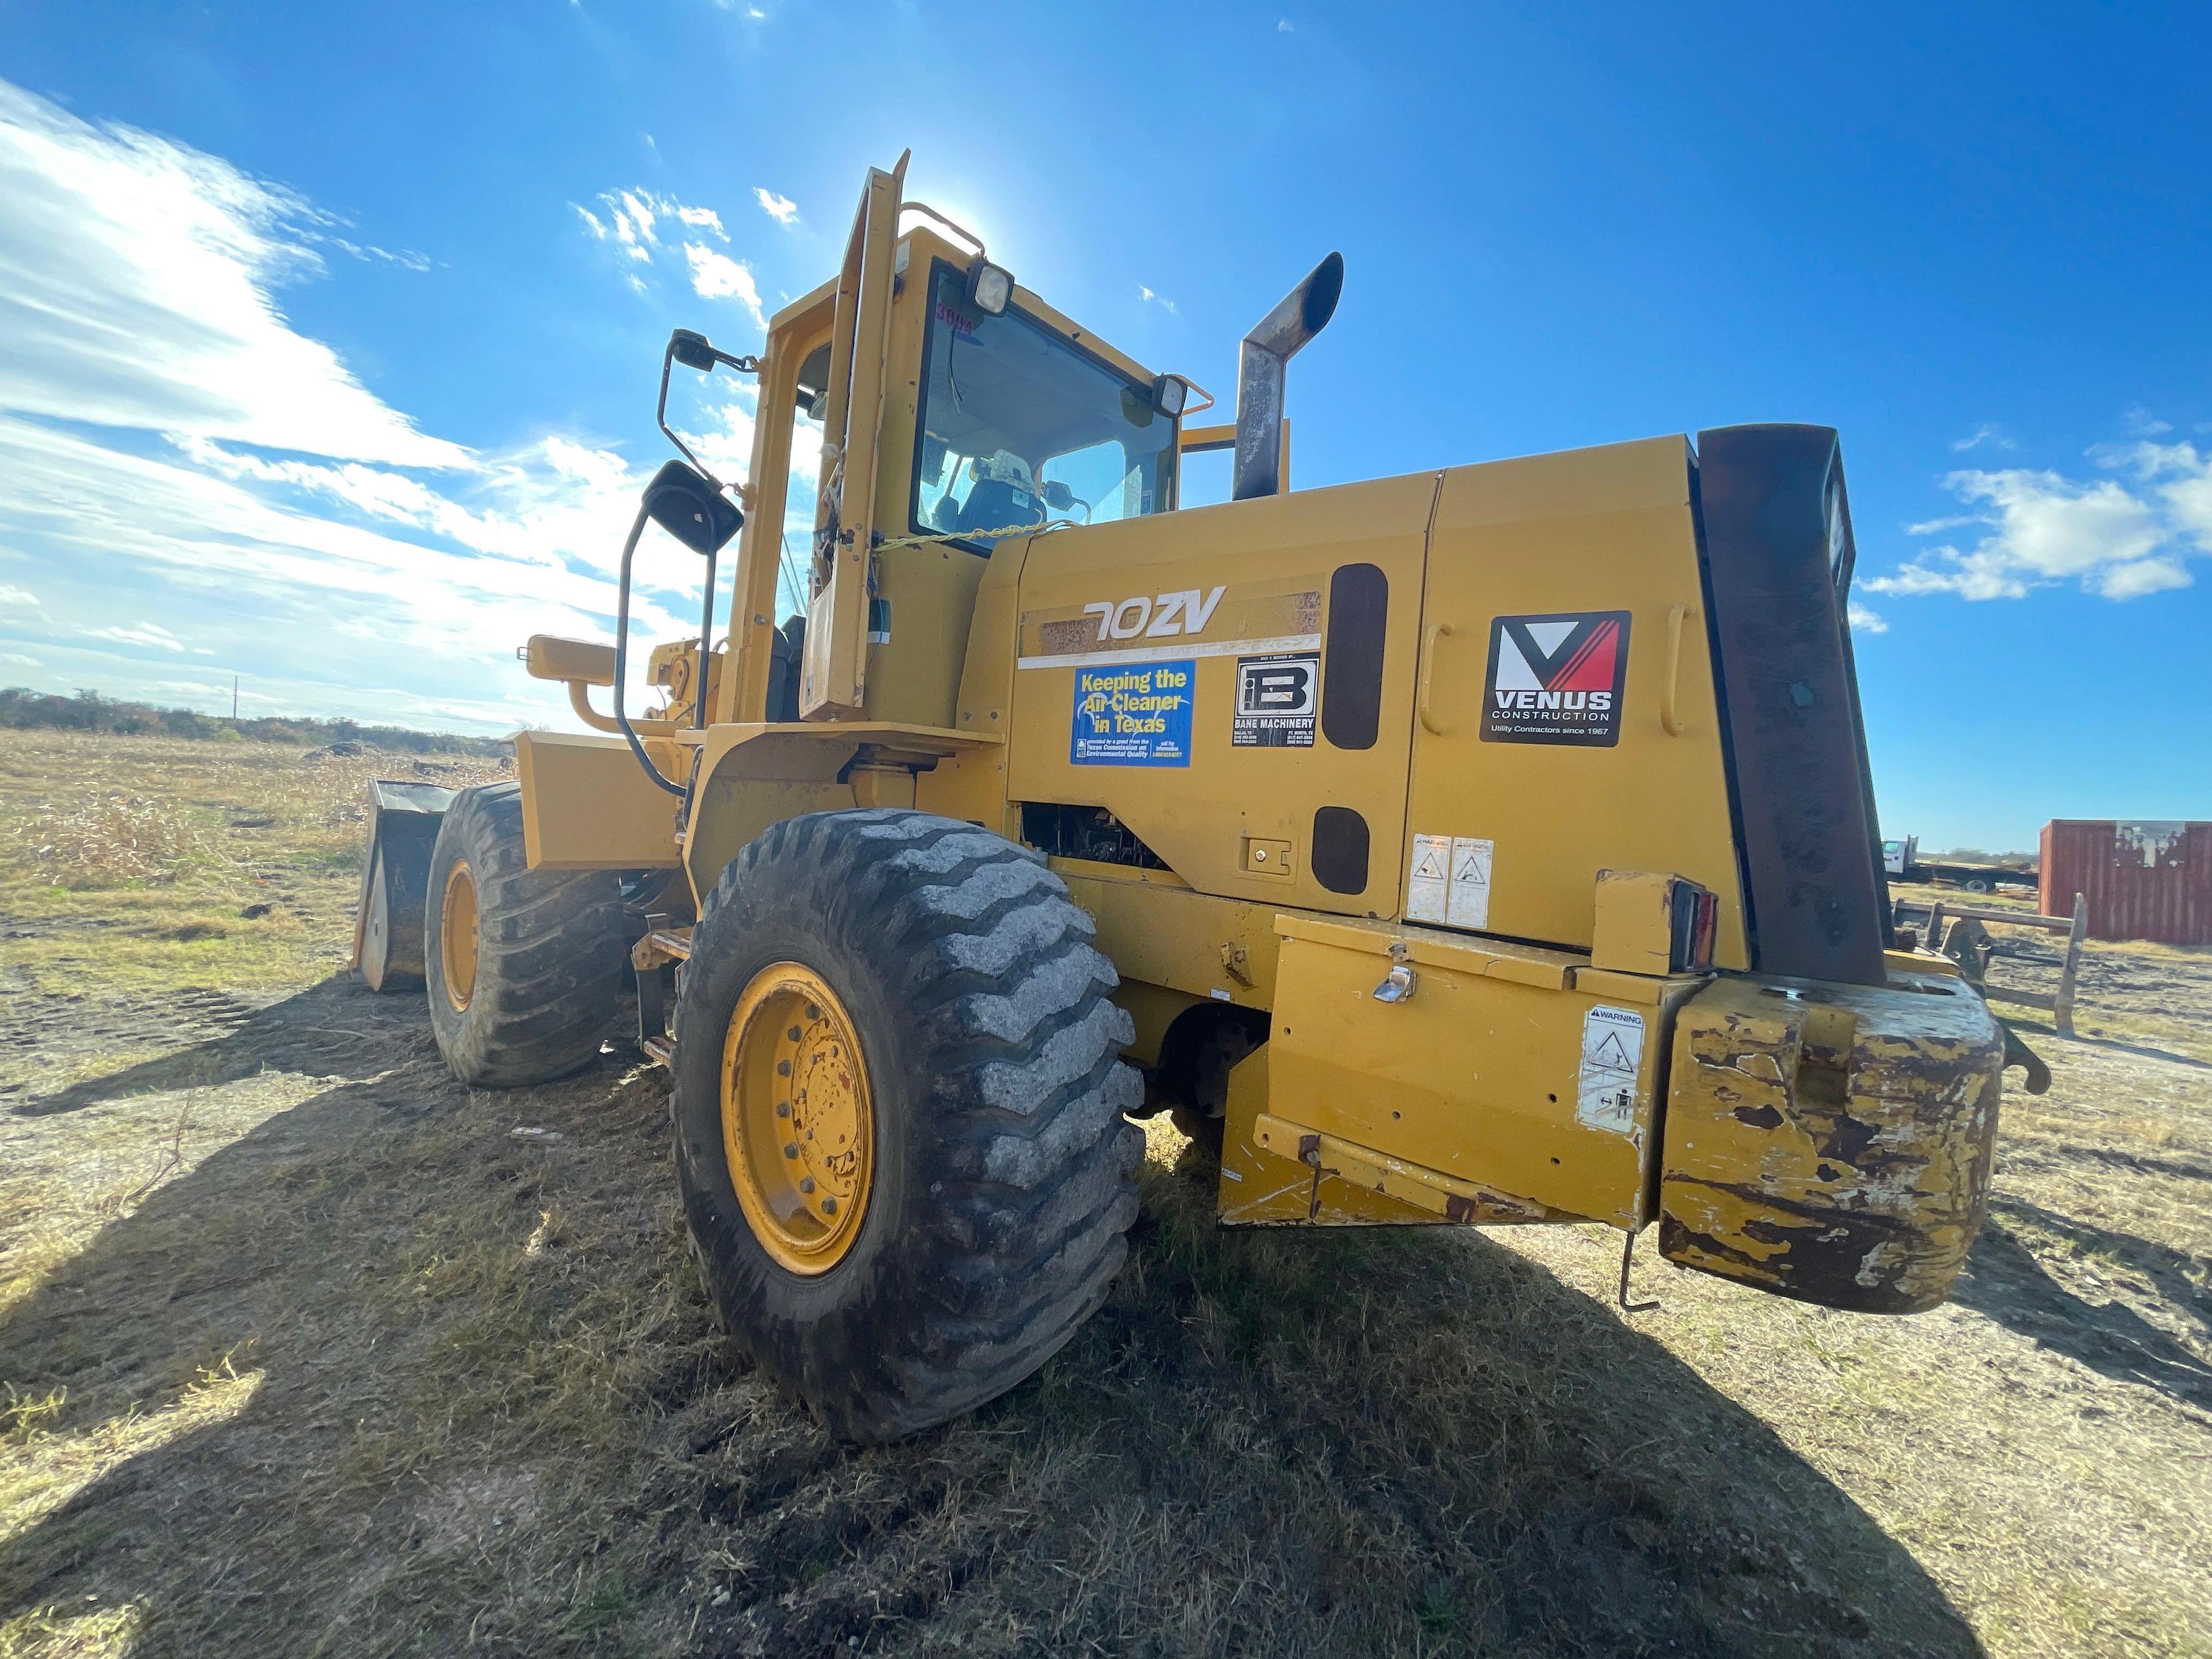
(2144, 880)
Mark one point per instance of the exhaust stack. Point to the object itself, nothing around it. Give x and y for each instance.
(1267, 351)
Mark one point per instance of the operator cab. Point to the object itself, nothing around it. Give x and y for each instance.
(1019, 425)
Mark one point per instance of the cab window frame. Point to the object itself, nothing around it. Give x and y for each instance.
(1165, 494)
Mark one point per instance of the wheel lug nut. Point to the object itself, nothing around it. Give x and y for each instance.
(791, 1148)
(783, 1068)
(829, 1207)
(806, 1184)
(783, 1108)
(792, 1034)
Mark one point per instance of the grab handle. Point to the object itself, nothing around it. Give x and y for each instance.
(1429, 722)
(1670, 717)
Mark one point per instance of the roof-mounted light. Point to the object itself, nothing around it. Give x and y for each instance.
(990, 287)
(1170, 393)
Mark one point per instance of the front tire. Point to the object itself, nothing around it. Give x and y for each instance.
(523, 967)
(904, 1015)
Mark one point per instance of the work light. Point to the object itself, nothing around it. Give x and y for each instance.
(990, 287)
(1169, 393)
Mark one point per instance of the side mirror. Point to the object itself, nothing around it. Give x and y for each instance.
(690, 349)
(684, 504)
(1057, 495)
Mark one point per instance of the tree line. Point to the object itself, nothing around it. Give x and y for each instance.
(89, 711)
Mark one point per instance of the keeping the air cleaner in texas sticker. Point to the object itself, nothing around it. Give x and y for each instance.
(1556, 679)
(1134, 715)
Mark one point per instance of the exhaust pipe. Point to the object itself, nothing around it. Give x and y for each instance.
(1267, 351)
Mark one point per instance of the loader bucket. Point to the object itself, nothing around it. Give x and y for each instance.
(387, 929)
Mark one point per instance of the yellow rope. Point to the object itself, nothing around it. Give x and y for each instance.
(976, 535)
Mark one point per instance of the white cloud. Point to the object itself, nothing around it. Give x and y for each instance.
(1989, 433)
(635, 218)
(136, 279)
(142, 634)
(269, 516)
(2045, 529)
(16, 659)
(781, 209)
(717, 277)
(1284, 26)
(1866, 620)
(1152, 299)
(631, 220)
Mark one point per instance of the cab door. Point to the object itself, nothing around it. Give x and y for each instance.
(833, 674)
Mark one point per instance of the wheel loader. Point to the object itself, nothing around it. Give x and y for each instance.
(1492, 844)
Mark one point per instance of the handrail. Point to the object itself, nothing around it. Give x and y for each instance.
(1429, 722)
(1669, 716)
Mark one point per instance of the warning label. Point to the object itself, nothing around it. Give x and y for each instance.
(1613, 1053)
(1449, 881)
(1556, 679)
(1276, 697)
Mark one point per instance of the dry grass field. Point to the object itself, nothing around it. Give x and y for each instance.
(302, 1351)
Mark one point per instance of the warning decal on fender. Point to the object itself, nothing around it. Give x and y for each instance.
(1556, 679)
(1448, 881)
(1613, 1053)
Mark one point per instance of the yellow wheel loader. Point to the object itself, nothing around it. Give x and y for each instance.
(1488, 845)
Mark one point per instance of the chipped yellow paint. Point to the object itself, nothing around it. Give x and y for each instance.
(1363, 1166)
(1258, 1188)
(1832, 1142)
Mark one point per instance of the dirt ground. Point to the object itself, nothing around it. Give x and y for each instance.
(304, 1350)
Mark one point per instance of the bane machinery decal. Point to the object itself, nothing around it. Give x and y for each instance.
(1276, 701)
(1556, 679)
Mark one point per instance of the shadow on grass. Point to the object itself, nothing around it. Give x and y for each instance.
(2044, 1028)
(2004, 1279)
(493, 1413)
(336, 1029)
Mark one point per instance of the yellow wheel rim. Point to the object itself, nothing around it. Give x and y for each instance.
(456, 935)
(797, 1118)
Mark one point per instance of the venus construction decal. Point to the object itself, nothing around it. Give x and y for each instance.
(1556, 679)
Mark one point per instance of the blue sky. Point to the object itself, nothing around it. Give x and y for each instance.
(324, 356)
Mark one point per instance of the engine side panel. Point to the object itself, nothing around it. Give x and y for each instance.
(1178, 672)
(1568, 722)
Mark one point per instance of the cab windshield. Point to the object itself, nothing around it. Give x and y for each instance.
(1018, 426)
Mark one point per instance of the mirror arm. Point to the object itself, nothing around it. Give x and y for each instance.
(660, 415)
(743, 365)
(622, 650)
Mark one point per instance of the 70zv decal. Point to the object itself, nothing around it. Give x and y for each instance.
(1184, 613)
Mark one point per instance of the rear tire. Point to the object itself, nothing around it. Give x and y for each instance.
(999, 1169)
(523, 967)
